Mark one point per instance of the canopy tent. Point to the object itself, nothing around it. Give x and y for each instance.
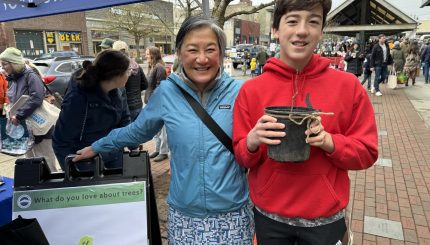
(21, 9)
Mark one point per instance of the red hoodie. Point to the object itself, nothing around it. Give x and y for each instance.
(318, 187)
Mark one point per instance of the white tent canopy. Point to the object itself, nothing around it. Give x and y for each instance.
(21, 9)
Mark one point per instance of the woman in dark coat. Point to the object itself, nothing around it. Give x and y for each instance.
(95, 104)
(355, 60)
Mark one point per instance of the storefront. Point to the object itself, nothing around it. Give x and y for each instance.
(35, 43)
(97, 37)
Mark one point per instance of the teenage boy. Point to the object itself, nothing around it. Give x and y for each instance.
(303, 203)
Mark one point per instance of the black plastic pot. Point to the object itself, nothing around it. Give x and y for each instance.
(293, 147)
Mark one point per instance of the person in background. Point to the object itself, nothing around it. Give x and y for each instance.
(95, 104)
(254, 69)
(261, 60)
(412, 63)
(156, 74)
(303, 202)
(379, 61)
(366, 67)
(175, 64)
(425, 60)
(136, 82)
(404, 46)
(208, 195)
(23, 80)
(106, 44)
(398, 57)
(355, 60)
(3, 89)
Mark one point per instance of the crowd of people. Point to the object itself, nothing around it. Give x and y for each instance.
(226, 189)
(383, 56)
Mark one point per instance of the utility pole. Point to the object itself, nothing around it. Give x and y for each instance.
(205, 8)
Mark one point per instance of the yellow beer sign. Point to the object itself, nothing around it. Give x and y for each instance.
(70, 36)
(50, 37)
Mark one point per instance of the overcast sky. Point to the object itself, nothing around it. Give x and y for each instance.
(409, 7)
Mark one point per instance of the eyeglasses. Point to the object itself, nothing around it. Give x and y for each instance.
(3, 64)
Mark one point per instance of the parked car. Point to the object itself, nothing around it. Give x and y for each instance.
(57, 54)
(57, 71)
(168, 63)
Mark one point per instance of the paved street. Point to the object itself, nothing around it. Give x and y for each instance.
(390, 202)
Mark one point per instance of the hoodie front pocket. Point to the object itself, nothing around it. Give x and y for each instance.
(299, 195)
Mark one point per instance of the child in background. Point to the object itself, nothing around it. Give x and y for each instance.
(254, 67)
(244, 67)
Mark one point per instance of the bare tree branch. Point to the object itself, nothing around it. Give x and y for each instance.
(251, 11)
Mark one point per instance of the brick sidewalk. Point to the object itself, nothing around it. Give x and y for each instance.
(397, 187)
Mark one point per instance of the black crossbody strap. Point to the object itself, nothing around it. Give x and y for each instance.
(208, 120)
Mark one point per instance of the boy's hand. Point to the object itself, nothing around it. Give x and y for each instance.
(264, 132)
(319, 137)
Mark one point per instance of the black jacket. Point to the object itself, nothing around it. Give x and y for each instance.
(86, 116)
(136, 83)
(378, 56)
(425, 56)
(355, 65)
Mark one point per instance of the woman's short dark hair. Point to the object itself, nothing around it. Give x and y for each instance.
(196, 22)
(108, 64)
(285, 6)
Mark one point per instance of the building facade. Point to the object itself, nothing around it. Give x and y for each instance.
(97, 22)
(36, 36)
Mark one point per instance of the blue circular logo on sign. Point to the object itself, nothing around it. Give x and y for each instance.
(24, 201)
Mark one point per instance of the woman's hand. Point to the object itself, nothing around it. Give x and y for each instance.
(263, 133)
(319, 137)
(13, 120)
(84, 153)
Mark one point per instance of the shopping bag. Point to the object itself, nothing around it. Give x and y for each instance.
(392, 80)
(42, 119)
(91, 207)
(15, 139)
(401, 78)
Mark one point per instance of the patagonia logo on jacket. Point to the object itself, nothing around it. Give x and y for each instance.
(224, 107)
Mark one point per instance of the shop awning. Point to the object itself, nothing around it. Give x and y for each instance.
(22, 9)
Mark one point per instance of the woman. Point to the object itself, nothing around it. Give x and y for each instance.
(23, 80)
(355, 60)
(157, 73)
(208, 195)
(398, 57)
(95, 104)
(412, 63)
